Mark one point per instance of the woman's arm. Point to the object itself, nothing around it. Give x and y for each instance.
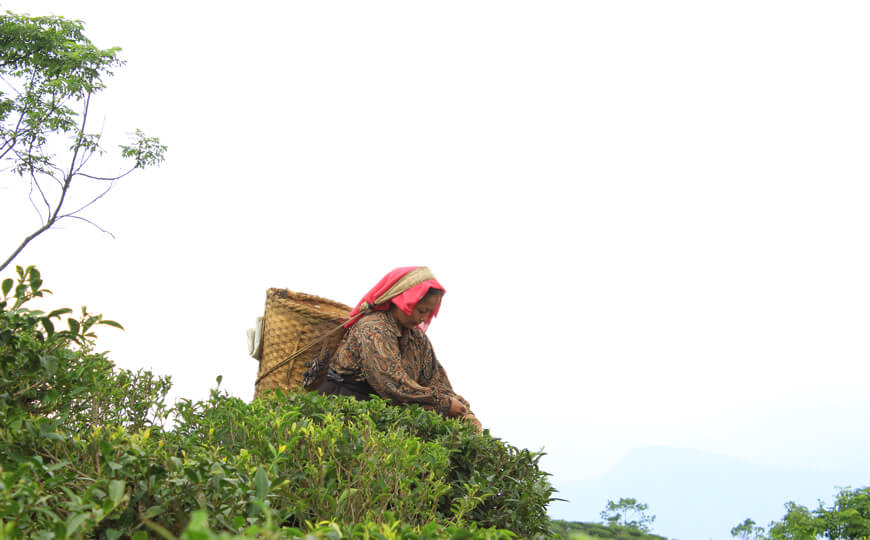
(440, 380)
(437, 376)
(382, 366)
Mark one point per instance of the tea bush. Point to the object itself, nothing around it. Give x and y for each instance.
(91, 451)
(575, 530)
(487, 481)
(388, 529)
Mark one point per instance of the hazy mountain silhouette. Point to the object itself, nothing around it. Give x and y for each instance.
(698, 495)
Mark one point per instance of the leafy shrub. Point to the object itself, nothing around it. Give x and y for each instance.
(85, 453)
(389, 528)
(55, 375)
(847, 517)
(572, 530)
(489, 482)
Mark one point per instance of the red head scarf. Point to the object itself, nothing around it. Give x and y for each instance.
(403, 287)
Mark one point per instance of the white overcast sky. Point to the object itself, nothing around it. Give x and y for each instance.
(651, 218)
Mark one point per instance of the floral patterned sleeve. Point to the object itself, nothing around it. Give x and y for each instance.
(383, 369)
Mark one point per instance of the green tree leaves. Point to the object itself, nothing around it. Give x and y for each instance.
(628, 512)
(53, 49)
(49, 72)
(748, 531)
(49, 65)
(848, 519)
(146, 151)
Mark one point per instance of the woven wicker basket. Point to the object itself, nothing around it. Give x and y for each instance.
(292, 322)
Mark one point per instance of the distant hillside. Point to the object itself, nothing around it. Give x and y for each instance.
(699, 495)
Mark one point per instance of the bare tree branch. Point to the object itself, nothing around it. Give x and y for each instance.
(87, 152)
(85, 156)
(80, 136)
(95, 199)
(68, 178)
(108, 178)
(35, 182)
(86, 220)
(11, 86)
(26, 241)
(14, 139)
(33, 204)
(97, 149)
(16, 133)
(58, 171)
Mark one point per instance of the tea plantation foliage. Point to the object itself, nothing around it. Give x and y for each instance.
(91, 451)
(576, 530)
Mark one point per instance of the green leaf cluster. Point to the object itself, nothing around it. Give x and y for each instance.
(49, 71)
(847, 518)
(91, 451)
(575, 530)
(47, 65)
(628, 513)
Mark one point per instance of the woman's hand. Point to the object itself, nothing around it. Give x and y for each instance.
(457, 408)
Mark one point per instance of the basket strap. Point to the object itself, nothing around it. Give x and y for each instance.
(320, 339)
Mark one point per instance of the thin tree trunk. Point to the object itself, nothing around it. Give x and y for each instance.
(25, 242)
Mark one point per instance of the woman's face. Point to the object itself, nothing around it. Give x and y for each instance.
(419, 314)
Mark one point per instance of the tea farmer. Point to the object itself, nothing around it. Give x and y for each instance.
(386, 351)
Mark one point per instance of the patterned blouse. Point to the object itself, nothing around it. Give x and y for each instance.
(400, 366)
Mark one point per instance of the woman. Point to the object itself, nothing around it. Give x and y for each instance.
(386, 351)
